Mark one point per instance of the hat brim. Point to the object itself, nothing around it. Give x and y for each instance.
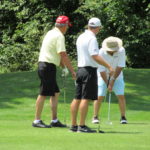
(104, 45)
(111, 49)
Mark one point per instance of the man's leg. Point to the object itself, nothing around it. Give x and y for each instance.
(97, 105)
(122, 104)
(39, 106)
(74, 110)
(53, 104)
(83, 108)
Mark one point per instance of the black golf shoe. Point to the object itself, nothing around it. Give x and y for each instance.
(123, 120)
(58, 124)
(40, 124)
(74, 128)
(85, 129)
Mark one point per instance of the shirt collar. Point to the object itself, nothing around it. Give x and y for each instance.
(89, 32)
(105, 52)
(55, 28)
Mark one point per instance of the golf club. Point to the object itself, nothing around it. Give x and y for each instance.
(64, 74)
(98, 127)
(109, 101)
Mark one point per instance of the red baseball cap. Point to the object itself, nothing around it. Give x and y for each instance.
(63, 20)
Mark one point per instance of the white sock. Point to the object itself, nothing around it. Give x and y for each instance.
(54, 120)
(36, 121)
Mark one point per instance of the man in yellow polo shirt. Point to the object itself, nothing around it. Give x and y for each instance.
(52, 54)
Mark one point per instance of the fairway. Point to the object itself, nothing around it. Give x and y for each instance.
(18, 94)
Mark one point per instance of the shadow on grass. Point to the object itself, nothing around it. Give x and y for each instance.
(5, 103)
(120, 132)
(26, 85)
(15, 86)
(117, 132)
(138, 123)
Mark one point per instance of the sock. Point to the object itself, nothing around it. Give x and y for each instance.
(54, 121)
(36, 121)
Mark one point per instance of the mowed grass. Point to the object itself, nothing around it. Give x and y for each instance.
(18, 92)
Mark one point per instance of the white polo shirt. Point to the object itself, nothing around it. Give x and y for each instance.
(53, 44)
(117, 60)
(86, 47)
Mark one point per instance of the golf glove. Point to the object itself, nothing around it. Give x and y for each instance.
(65, 72)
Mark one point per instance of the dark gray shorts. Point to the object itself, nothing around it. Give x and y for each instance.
(86, 83)
(47, 75)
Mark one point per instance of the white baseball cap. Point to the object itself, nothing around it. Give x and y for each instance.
(94, 22)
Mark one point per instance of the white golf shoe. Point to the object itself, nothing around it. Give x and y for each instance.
(95, 120)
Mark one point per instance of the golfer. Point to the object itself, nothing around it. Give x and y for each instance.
(114, 53)
(52, 54)
(86, 82)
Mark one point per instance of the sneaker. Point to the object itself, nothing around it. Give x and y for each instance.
(123, 120)
(85, 129)
(58, 124)
(95, 120)
(40, 124)
(74, 128)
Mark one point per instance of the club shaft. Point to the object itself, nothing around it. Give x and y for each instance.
(109, 106)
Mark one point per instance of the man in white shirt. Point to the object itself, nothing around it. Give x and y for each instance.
(52, 54)
(86, 82)
(114, 53)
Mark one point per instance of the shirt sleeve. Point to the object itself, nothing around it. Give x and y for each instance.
(122, 58)
(60, 44)
(93, 47)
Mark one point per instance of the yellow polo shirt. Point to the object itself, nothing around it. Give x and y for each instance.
(52, 45)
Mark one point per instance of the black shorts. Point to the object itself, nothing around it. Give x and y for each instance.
(47, 75)
(86, 83)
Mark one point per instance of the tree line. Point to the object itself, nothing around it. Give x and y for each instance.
(23, 24)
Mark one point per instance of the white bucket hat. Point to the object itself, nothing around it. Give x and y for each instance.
(94, 22)
(112, 44)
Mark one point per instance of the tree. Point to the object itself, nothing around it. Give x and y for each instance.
(24, 23)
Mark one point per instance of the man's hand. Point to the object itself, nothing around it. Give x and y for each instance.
(111, 71)
(73, 75)
(110, 85)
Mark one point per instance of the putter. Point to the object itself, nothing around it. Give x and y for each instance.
(109, 122)
(98, 129)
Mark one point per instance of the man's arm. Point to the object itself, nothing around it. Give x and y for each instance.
(101, 61)
(117, 72)
(104, 76)
(66, 62)
(113, 78)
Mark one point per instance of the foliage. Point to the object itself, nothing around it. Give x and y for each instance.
(127, 19)
(24, 23)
